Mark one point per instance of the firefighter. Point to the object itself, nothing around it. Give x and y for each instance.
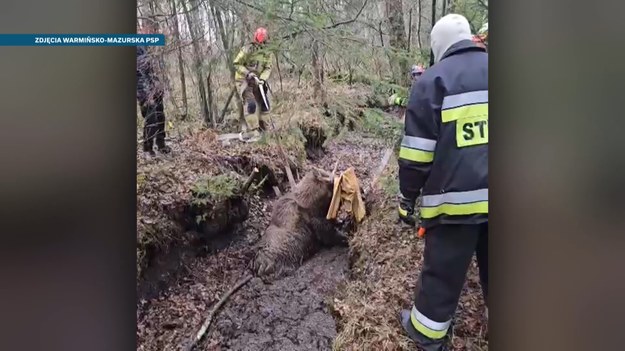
(444, 158)
(481, 38)
(483, 33)
(150, 97)
(397, 100)
(478, 41)
(253, 68)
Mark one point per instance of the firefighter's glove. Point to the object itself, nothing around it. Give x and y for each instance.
(250, 75)
(406, 211)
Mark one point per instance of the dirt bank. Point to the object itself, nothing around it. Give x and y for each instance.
(386, 257)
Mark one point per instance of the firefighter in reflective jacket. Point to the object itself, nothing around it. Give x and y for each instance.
(396, 99)
(444, 158)
(253, 67)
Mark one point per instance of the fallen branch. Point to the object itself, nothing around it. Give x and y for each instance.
(378, 172)
(260, 184)
(209, 319)
(222, 115)
(249, 181)
(277, 191)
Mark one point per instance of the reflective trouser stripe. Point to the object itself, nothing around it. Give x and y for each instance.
(402, 212)
(471, 104)
(428, 327)
(417, 149)
(455, 203)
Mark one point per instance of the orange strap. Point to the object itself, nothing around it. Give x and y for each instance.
(421, 232)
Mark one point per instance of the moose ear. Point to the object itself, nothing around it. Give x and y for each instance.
(322, 175)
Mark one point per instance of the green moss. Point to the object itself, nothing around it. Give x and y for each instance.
(215, 188)
(375, 122)
(390, 185)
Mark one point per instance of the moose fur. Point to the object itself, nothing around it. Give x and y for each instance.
(298, 226)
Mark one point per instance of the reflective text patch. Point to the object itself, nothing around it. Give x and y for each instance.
(472, 131)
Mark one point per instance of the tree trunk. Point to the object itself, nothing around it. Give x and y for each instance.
(317, 65)
(209, 90)
(279, 72)
(433, 13)
(397, 41)
(219, 23)
(197, 63)
(317, 60)
(183, 81)
(409, 29)
(452, 6)
(419, 24)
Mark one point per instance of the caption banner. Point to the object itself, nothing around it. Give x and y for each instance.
(82, 39)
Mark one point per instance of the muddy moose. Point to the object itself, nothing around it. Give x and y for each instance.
(298, 226)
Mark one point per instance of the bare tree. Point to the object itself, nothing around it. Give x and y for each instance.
(398, 42)
(192, 22)
(354, 40)
(178, 41)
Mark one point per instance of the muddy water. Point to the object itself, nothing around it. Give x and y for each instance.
(288, 314)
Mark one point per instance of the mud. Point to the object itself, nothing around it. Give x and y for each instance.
(288, 314)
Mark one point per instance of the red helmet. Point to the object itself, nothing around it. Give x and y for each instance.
(417, 70)
(260, 36)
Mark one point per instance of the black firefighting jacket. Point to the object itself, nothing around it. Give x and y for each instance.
(147, 81)
(444, 151)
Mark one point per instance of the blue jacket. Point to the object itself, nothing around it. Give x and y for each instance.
(444, 151)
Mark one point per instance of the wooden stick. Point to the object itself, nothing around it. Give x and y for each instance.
(249, 181)
(289, 174)
(378, 172)
(277, 191)
(262, 181)
(336, 165)
(209, 319)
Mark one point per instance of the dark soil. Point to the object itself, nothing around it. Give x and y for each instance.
(288, 314)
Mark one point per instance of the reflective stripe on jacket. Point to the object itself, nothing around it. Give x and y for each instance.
(444, 151)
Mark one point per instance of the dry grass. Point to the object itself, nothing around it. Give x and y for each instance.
(386, 258)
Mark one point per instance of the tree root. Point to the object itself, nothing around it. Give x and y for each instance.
(200, 334)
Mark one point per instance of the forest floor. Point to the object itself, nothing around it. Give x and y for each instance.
(340, 299)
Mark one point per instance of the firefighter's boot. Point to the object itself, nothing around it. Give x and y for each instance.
(423, 342)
